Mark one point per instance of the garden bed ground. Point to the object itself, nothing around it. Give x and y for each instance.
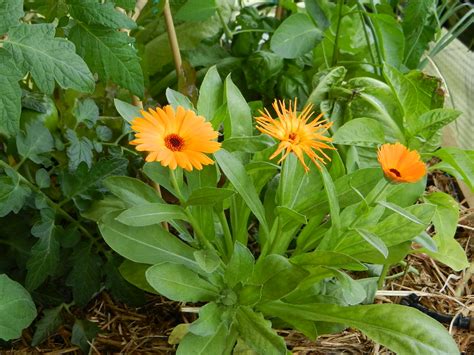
(146, 329)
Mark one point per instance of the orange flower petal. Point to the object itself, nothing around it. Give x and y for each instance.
(400, 164)
(175, 138)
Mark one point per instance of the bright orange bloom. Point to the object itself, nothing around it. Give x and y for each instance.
(175, 138)
(400, 164)
(295, 133)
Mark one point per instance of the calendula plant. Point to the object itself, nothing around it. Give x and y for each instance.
(267, 243)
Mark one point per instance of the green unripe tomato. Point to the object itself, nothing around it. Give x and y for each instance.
(45, 112)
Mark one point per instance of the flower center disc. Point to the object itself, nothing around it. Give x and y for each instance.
(396, 172)
(292, 137)
(174, 142)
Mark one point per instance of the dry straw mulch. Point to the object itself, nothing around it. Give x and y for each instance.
(145, 330)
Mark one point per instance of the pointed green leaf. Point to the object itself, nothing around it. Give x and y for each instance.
(179, 283)
(127, 111)
(17, 309)
(48, 58)
(93, 12)
(37, 140)
(109, 53)
(208, 196)
(10, 13)
(47, 325)
(152, 213)
(10, 94)
(374, 241)
(210, 94)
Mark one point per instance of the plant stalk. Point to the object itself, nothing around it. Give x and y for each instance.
(173, 39)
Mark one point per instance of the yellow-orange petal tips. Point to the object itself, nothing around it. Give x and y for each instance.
(296, 134)
(175, 138)
(400, 164)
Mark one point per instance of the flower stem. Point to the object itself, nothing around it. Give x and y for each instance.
(383, 275)
(336, 40)
(229, 242)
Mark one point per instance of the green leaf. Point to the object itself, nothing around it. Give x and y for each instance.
(37, 140)
(328, 258)
(216, 343)
(249, 144)
(110, 54)
(126, 4)
(460, 160)
(10, 13)
(277, 276)
(363, 132)
(44, 257)
(240, 266)
(132, 191)
(296, 36)
(83, 333)
(334, 77)
(148, 245)
(209, 320)
(13, 194)
(134, 273)
(17, 309)
(208, 260)
(432, 121)
(36, 50)
(179, 283)
(10, 94)
(401, 211)
(445, 221)
(402, 329)
(121, 289)
(331, 193)
(84, 179)
(196, 10)
(240, 116)
(418, 30)
(150, 214)
(351, 291)
(318, 10)
(79, 150)
(47, 325)
(374, 241)
(210, 94)
(87, 112)
(127, 111)
(85, 277)
(208, 196)
(291, 214)
(176, 99)
(42, 178)
(235, 172)
(391, 39)
(258, 333)
(94, 13)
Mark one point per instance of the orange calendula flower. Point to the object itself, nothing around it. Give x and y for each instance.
(400, 164)
(175, 138)
(295, 133)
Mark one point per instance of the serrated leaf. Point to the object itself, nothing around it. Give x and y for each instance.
(35, 141)
(94, 13)
(17, 309)
(86, 111)
(10, 13)
(79, 150)
(85, 277)
(110, 54)
(119, 287)
(42, 178)
(83, 179)
(12, 193)
(83, 332)
(44, 256)
(36, 50)
(10, 95)
(47, 325)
